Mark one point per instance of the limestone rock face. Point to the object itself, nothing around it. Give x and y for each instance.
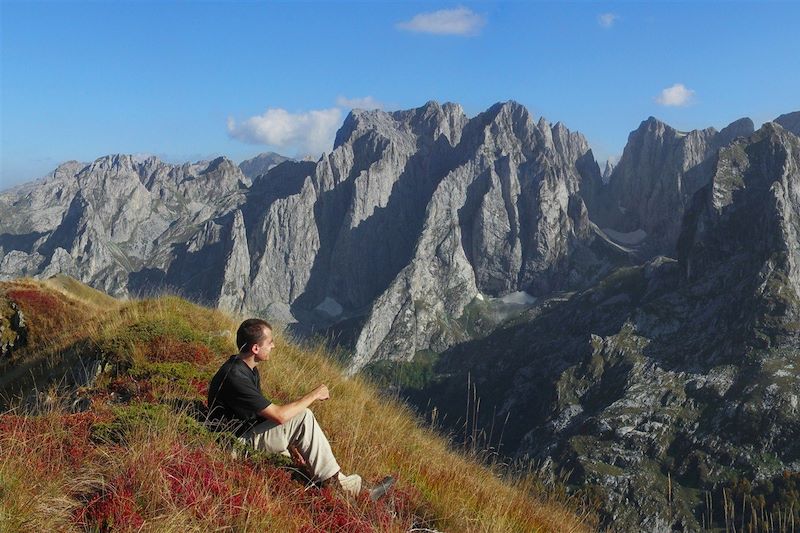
(411, 216)
(790, 121)
(660, 170)
(749, 215)
(505, 216)
(684, 368)
(655, 307)
(112, 223)
(214, 264)
(41, 206)
(607, 170)
(261, 164)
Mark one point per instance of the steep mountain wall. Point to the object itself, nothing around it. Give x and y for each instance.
(660, 170)
(672, 372)
(411, 216)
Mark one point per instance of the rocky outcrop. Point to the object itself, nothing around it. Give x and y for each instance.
(750, 208)
(672, 373)
(790, 121)
(411, 216)
(660, 170)
(13, 330)
(261, 164)
(112, 223)
(607, 171)
(505, 217)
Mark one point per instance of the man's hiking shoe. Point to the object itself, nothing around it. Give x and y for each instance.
(379, 491)
(351, 485)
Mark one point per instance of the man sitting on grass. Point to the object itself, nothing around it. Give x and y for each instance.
(235, 402)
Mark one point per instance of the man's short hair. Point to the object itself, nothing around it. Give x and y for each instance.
(250, 333)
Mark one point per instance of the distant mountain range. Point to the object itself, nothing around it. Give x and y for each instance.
(627, 323)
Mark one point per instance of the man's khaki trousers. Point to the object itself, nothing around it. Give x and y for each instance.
(303, 432)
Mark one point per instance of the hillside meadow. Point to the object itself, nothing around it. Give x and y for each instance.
(101, 430)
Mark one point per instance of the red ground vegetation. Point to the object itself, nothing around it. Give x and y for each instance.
(169, 350)
(36, 302)
(47, 315)
(201, 386)
(113, 508)
(194, 479)
(207, 486)
(125, 389)
(53, 445)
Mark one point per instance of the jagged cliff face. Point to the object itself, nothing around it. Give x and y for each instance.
(419, 231)
(114, 221)
(261, 164)
(411, 216)
(660, 170)
(749, 210)
(684, 368)
(501, 214)
(790, 122)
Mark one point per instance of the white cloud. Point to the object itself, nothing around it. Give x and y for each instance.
(458, 21)
(366, 102)
(676, 96)
(607, 20)
(309, 132)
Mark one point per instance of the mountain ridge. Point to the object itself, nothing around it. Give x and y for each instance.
(625, 313)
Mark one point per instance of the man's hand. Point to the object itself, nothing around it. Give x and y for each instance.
(282, 413)
(322, 392)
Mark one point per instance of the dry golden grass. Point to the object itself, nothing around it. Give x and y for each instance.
(375, 436)
(166, 479)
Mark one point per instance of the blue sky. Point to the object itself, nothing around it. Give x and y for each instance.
(191, 80)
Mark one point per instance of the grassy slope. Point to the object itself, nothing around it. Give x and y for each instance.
(137, 461)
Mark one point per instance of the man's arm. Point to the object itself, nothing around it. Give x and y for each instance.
(282, 413)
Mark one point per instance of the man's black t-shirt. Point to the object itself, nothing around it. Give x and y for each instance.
(234, 397)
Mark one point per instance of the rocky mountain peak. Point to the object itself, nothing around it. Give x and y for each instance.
(572, 145)
(652, 131)
(506, 125)
(742, 127)
(432, 120)
(364, 121)
(790, 121)
(219, 163)
(511, 112)
(543, 124)
(451, 108)
(660, 170)
(749, 212)
(261, 164)
(607, 170)
(113, 161)
(221, 167)
(431, 107)
(68, 168)
(652, 124)
(221, 175)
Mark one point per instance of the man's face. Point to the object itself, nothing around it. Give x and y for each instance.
(263, 348)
